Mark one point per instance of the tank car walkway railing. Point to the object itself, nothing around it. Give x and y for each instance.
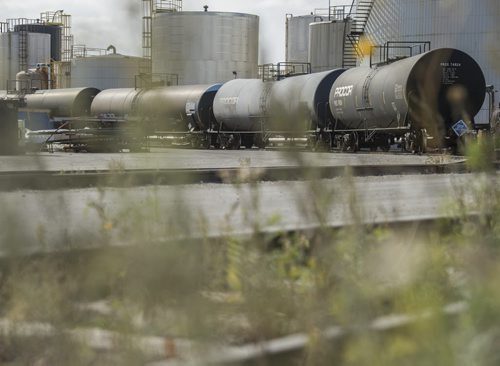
(282, 70)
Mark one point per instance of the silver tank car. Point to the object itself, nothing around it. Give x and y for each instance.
(178, 108)
(114, 102)
(74, 102)
(240, 105)
(431, 91)
(301, 103)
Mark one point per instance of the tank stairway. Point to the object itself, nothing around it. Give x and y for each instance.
(360, 14)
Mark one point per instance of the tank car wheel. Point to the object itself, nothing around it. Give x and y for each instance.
(247, 140)
(230, 141)
(421, 141)
(323, 142)
(354, 142)
(386, 145)
(236, 141)
(260, 141)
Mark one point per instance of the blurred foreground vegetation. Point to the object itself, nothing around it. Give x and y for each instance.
(240, 290)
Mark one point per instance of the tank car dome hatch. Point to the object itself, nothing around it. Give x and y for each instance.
(116, 102)
(73, 102)
(433, 90)
(178, 108)
(205, 47)
(240, 104)
(302, 102)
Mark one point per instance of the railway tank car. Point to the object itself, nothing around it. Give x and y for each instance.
(252, 109)
(300, 104)
(416, 97)
(182, 109)
(173, 109)
(240, 108)
(117, 103)
(62, 103)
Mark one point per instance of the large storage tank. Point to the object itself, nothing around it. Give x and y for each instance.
(37, 51)
(297, 37)
(105, 72)
(471, 26)
(205, 47)
(326, 44)
(55, 32)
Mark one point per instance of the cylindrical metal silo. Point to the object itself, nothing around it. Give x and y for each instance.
(37, 51)
(105, 72)
(297, 37)
(471, 26)
(326, 44)
(205, 47)
(55, 32)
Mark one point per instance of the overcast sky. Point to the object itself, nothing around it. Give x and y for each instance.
(99, 23)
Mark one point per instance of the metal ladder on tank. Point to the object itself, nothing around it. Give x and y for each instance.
(359, 15)
(23, 50)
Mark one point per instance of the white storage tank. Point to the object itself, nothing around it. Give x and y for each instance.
(297, 37)
(205, 47)
(105, 72)
(326, 44)
(37, 51)
(470, 26)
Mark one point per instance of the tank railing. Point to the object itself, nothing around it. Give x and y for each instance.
(4, 27)
(386, 53)
(82, 51)
(148, 80)
(22, 87)
(282, 70)
(160, 6)
(12, 23)
(333, 12)
(52, 17)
